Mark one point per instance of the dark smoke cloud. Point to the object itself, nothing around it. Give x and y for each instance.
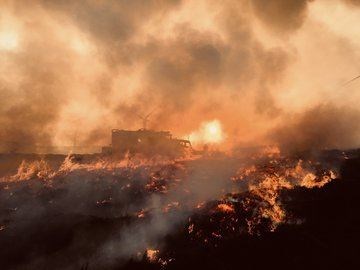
(282, 15)
(195, 66)
(179, 68)
(29, 111)
(352, 2)
(323, 127)
(111, 24)
(181, 71)
(189, 73)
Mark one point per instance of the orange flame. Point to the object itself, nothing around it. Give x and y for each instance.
(152, 254)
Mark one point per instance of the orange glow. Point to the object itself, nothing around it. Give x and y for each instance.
(152, 254)
(209, 132)
(194, 73)
(225, 208)
(8, 40)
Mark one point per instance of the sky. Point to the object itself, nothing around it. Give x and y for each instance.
(250, 72)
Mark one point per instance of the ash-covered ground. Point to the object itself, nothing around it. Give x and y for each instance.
(264, 210)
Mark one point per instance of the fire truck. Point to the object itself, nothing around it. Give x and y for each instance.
(146, 142)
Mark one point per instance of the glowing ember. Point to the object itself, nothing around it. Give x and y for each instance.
(191, 228)
(152, 254)
(141, 214)
(225, 208)
(247, 201)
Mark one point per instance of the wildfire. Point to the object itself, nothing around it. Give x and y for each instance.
(209, 132)
(152, 254)
(248, 202)
(225, 208)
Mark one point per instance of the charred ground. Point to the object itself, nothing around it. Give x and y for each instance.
(89, 218)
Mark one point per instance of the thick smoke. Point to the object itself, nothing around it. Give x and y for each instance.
(72, 72)
(110, 194)
(352, 2)
(325, 126)
(205, 181)
(32, 90)
(281, 15)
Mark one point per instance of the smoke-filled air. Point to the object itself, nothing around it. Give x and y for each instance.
(179, 134)
(75, 70)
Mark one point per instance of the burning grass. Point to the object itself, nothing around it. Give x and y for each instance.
(213, 199)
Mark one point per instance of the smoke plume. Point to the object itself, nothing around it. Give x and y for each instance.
(71, 72)
(325, 126)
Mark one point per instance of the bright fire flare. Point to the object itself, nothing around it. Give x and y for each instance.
(225, 208)
(209, 132)
(8, 40)
(152, 254)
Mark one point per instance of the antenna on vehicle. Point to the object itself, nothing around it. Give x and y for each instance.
(145, 118)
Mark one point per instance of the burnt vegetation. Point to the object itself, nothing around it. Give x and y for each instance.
(82, 220)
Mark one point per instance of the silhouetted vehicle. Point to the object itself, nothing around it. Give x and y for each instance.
(146, 142)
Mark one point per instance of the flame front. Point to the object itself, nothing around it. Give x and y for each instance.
(152, 254)
(210, 132)
(245, 198)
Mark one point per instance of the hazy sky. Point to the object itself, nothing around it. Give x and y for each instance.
(265, 71)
